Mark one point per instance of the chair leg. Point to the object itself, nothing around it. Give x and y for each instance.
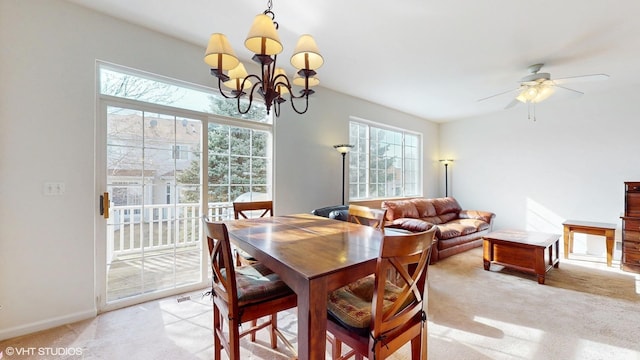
(254, 323)
(336, 351)
(274, 327)
(234, 339)
(217, 326)
(415, 348)
(419, 347)
(238, 262)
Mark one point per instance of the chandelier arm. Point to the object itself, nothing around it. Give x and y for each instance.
(253, 88)
(231, 96)
(306, 98)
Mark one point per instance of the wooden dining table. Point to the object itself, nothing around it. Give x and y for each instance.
(313, 255)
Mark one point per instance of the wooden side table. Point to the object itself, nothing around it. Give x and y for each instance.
(591, 228)
(522, 250)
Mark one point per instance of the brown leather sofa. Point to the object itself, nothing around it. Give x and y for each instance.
(458, 230)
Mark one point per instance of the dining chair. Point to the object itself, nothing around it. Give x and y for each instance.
(366, 216)
(375, 317)
(241, 294)
(246, 210)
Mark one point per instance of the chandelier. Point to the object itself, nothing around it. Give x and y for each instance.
(272, 84)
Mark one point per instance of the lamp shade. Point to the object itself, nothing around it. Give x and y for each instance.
(219, 54)
(306, 54)
(281, 82)
(236, 78)
(299, 80)
(263, 37)
(343, 148)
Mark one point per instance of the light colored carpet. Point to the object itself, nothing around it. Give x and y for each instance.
(581, 313)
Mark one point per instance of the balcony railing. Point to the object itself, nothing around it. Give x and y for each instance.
(158, 227)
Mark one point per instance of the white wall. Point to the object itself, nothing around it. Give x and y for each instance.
(47, 123)
(569, 164)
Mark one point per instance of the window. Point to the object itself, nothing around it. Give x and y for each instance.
(384, 162)
(239, 164)
(137, 85)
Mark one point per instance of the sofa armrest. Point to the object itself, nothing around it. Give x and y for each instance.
(485, 216)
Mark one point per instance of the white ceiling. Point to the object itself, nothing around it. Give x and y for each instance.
(433, 59)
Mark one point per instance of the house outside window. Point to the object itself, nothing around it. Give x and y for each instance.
(384, 162)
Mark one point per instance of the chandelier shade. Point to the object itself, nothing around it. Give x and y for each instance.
(306, 54)
(237, 77)
(272, 82)
(263, 37)
(300, 80)
(220, 54)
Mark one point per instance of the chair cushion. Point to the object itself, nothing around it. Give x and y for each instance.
(351, 305)
(256, 283)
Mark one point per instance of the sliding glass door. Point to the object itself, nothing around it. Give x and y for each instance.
(152, 235)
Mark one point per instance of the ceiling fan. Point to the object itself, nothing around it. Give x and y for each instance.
(538, 86)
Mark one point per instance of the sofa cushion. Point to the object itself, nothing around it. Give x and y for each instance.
(444, 218)
(425, 207)
(461, 227)
(446, 205)
(414, 225)
(400, 209)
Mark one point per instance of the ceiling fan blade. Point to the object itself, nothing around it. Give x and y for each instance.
(581, 78)
(498, 94)
(513, 103)
(566, 88)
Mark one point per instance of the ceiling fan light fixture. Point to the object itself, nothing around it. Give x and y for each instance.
(535, 93)
(543, 93)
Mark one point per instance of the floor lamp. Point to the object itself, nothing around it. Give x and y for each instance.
(343, 149)
(446, 163)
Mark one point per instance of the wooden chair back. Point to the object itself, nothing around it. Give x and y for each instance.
(226, 304)
(247, 210)
(407, 255)
(222, 266)
(367, 216)
(242, 209)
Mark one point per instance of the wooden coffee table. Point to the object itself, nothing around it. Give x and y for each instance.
(522, 250)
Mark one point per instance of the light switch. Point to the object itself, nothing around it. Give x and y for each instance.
(54, 188)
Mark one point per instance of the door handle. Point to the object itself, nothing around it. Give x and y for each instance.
(104, 205)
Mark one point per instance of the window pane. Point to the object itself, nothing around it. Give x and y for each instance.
(383, 162)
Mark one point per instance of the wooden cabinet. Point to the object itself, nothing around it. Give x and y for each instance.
(631, 228)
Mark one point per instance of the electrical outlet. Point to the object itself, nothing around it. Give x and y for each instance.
(54, 188)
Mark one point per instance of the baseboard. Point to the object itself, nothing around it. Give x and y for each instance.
(46, 324)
